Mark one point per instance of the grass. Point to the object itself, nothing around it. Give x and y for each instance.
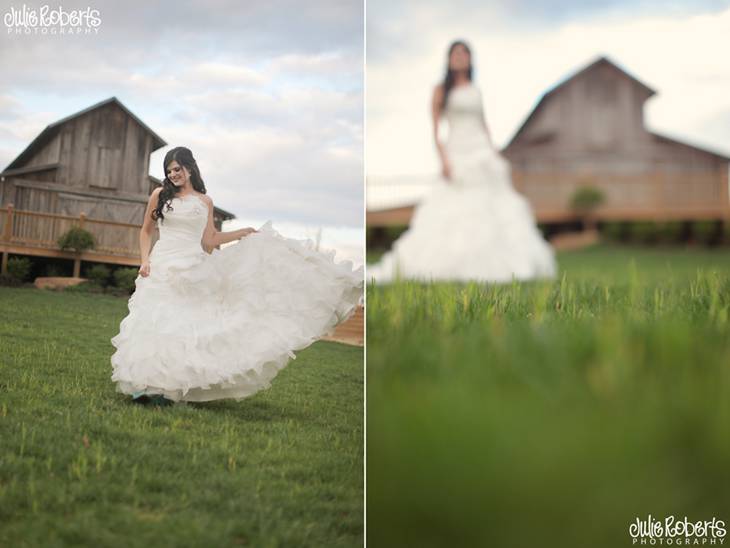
(550, 413)
(81, 465)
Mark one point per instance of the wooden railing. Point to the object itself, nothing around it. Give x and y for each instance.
(37, 233)
(653, 195)
(657, 195)
(40, 229)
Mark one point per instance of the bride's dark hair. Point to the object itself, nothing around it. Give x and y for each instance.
(184, 157)
(449, 78)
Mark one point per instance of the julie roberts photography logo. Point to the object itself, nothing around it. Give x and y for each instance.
(677, 532)
(47, 20)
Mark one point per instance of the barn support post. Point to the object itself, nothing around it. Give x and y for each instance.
(7, 233)
(77, 260)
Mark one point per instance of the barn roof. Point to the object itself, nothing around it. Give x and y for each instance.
(667, 139)
(558, 87)
(51, 130)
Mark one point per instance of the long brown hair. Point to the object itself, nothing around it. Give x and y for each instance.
(450, 76)
(184, 157)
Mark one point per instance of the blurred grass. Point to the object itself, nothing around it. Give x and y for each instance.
(81, 465)
(550, 413)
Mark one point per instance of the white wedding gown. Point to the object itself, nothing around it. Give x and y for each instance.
(475, 226)
(222, 325)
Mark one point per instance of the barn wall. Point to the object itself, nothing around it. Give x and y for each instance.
(47, 154)
(105, 150)
(597, 138)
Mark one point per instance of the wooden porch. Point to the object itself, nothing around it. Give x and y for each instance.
(36, 233)
(657, 196)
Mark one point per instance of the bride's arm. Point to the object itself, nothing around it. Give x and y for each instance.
(212, 238)
(225, 237)
(145, 233)
(436, 110)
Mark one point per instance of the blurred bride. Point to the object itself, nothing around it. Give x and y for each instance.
(474, 225)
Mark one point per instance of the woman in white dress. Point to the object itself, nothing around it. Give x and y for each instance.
(207, 323)
(474, 225)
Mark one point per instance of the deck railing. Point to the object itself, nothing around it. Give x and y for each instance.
(43, 230)
(37, 233)
(657, 195)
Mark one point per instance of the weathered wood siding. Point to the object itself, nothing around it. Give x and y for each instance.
(590, 131)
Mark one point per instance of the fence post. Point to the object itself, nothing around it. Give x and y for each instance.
(8, 229)
(77, 261)
(7, 233)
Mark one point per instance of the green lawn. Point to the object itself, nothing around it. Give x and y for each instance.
(80, 464)
(550, 414)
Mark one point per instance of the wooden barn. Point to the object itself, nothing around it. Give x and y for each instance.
(90, 169)
(589, 130)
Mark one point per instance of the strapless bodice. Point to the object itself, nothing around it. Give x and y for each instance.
(465, 115)
(185, 222)
(181, 235)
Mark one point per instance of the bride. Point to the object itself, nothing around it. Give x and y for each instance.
(207, 323)
(474, 225)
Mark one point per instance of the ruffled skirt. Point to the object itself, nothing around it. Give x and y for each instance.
(203, 327)
(469, 232)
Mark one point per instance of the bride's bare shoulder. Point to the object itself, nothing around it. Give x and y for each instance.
(207, 199)
(154, 196)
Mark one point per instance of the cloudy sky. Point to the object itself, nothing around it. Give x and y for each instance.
(522, 48)
(268, 95)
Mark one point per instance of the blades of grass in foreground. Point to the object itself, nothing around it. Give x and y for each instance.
(554, 414)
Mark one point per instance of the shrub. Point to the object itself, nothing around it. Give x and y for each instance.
(669, 231)
(586, 199)
(124, 278)
(614, 230)
(99, 274)
(18, 268)
(76, 239)
(704, 231)
(643, 231)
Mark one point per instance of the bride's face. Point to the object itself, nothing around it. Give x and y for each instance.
(179, 175)
(459, 59)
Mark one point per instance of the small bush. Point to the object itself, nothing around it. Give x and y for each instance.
(76, 239)
(704, 231)
(99, 274)
(643, 231)
(19, 268)
(124, 278)
(586, 199)
(614, 230)
(669, 231)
